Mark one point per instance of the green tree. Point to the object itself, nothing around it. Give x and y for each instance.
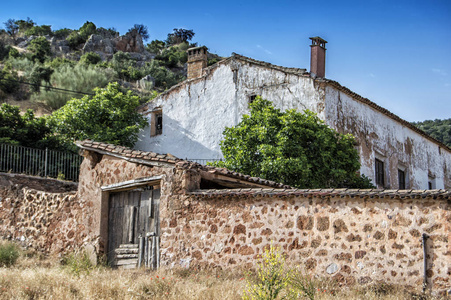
(26, 130)
(179, 35)
(156, 46)
(40, 48)
(24, 25)
(438, 129)
(11, 27)
(142, 30)
(295, 148)
(109, 116)
(39, 30)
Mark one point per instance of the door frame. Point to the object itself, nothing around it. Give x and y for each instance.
(119, 187)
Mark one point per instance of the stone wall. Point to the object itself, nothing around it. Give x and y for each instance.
(348, 239)
(44, 214)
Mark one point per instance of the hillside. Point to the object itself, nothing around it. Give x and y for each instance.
(42, 69)
(438, 129)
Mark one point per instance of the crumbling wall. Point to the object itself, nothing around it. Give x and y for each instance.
(44, 214)
(348, 239)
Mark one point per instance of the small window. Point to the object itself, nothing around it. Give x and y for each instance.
(431, 183)
(380, 178)
(401, 180)
(156, 123)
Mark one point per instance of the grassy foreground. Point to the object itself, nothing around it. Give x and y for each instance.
(34, 277)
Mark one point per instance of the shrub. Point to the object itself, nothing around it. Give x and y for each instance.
(39, 74)
(58, 62)
(74, 39)
(39, 30)
(78, 263)
(8, 82)
(9, 253)
(90, 58)
(40, 48)
(272, 277)
(80, 78)
(62, 33)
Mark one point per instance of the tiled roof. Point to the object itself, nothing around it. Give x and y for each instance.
(127, 153)
(138, 156)
(327, 193)
(382, 110)
(232, 174)
(303, 72)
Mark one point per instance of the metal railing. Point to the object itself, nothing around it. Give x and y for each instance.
(38, 162)
(203, 161)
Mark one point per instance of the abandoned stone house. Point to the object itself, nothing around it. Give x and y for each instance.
(143, 208)
(188, 120)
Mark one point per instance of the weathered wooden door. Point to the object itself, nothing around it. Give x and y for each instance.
(133, 221)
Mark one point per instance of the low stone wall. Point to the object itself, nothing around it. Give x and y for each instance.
(52, 220)
(349, 239)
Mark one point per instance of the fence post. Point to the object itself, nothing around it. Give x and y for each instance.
(46, 155)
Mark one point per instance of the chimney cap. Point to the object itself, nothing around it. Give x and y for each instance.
(317, 41)
(195, 48)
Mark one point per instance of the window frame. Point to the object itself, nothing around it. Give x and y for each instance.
(379, 172)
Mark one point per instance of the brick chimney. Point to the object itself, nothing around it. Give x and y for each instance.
(318, 57)
(197, 61)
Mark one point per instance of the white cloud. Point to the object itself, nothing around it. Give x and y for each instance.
(266, 50)
(440, 72)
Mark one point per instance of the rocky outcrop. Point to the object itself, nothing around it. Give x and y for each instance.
(97, 43)
(130, 42)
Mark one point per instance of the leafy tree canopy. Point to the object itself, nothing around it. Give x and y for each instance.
(180, 35)
(11, 27)
(142, 30)
(295, 148)
(109, 116)
(40, 48)
(438, 129)
(26, 130)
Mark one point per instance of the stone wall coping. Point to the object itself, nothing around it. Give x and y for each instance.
(137, 156)
(327, 193)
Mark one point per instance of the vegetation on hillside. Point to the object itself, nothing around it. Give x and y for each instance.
(164, 63)
(438, 129)
(73, 84)
(294, 148)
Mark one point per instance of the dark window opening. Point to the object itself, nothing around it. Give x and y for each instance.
(380, 179)
(158, 123)
(207, 185)
(401, 180)
(430, 185)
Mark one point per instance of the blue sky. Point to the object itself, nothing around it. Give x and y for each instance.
(396, 53)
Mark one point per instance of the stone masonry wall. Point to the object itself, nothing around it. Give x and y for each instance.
(44, 214)
(348, 239)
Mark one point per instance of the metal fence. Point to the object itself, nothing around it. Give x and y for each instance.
(45, 163)
(203, 161)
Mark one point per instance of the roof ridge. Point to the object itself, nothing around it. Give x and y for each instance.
(383, 110)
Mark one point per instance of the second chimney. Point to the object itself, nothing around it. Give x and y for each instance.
(318, 57)
(197, 61)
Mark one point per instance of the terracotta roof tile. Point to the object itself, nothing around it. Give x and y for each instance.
(140, 156)
(332, 193)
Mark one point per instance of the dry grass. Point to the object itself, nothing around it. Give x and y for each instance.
(38, 278)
